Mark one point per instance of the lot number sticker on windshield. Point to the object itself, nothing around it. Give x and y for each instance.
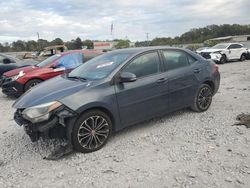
(105, 65)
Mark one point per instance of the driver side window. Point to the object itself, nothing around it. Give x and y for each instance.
(144, 65)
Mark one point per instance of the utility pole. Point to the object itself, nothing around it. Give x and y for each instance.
(112, 31)
(38, 45)
(38, 36)
(147, 39)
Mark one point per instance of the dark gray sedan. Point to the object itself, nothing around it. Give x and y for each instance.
(8, 63)
(116, 90)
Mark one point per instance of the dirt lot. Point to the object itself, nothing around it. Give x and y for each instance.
(183, 149)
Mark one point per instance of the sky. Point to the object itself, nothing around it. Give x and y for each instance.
(132, 19)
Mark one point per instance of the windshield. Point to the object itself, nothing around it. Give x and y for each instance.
(48, 60)
(220, 46)
(99, 67)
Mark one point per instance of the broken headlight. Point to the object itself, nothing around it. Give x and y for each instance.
(41, 112)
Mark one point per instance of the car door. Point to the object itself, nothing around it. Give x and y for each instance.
(145, 97)
(238, 51)
(183, 74)
(234, 51)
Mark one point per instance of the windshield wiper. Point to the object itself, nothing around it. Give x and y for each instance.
(77, 78)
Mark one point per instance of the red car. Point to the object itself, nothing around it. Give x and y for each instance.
(18, 81)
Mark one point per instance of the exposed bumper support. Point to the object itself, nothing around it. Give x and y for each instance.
(54, 127)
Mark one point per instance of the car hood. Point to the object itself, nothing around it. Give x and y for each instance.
(38, 71)
(16, 71)
(51, 90)
(211, 50)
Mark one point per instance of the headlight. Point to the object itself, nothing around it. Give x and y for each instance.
(40, 112)
(21, 74)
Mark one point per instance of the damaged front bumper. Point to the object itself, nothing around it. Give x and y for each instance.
(216, 57)
(54, 127)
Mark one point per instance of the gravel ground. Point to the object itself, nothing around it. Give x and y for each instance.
(182, 149)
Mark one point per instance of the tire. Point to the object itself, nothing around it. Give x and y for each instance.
(31, 84)
(203, 98)
(223, 59)
(243, 57)
(86, 136)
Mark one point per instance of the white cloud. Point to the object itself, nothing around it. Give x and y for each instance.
(68, 19)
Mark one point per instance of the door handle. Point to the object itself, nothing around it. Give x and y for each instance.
(161, 80)
(197, 70)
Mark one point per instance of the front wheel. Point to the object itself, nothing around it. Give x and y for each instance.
(31, 84)
(91, 131)
(243, 57)
(223, 59)
(203, 98)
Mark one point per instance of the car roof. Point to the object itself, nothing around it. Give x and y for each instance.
(229, 43)
(145, 49)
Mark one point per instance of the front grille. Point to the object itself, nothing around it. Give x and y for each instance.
(206, 55)
(4, 79)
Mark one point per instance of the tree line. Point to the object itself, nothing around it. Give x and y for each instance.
(199, 35)
(32, 45)
(196, 35)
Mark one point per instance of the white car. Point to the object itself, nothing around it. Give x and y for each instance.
(223, 52)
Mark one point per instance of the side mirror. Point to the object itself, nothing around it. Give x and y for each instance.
(6, 61)
(127, 77)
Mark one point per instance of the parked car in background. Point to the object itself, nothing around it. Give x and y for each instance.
(18, 81)
(116, 90)
(45, 53)
(200, 49)
(224, 52)
(8, 63)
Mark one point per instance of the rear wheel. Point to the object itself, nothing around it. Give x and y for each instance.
(31, 84)
(223, 59)
(203, 98)
(91, 131)
(243, 57)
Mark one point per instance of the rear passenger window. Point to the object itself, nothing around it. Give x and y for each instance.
(176, 59)
(191, 59)
(234, 46)
(144, 65)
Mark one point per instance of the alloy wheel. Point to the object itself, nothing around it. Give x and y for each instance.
(93, 132)
(243, 57)
(204, 98)
(33, 84)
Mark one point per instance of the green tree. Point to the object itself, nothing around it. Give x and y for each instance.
(31, 45)
(88, 43)
(41, 43)
(56, 41)
(78, 43)
(19, 46)
(122, 44)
